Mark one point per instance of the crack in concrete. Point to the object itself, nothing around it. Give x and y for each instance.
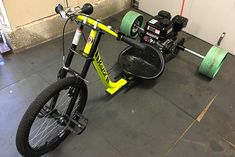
(203, 113)
(198, 119)
(181, 136)
(230, 143)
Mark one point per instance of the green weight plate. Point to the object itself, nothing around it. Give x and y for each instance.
(213, 61)
(130, 22)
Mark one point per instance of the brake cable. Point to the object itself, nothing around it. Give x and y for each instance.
(63, 38)
(63, 43)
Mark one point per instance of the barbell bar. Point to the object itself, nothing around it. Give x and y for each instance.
(194, 53)
(212, 62)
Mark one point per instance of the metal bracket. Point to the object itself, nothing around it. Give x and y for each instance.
(221, 38)
(135, 3)
(81, 53)
(80, 123)
(76, 74)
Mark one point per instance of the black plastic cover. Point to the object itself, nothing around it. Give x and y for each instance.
(159, 27)
(148, 64)
(164, 14)
(179, 22)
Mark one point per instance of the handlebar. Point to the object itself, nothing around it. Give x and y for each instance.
(86, 9)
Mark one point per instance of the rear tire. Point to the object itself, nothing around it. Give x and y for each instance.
(39, 110)
(130, 23)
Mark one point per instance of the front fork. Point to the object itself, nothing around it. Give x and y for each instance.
(89, 58)
(63, 72)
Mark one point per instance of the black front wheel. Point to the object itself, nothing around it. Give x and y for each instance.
(44, 124)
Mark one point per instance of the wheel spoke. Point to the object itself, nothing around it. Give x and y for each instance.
(41, 132)
(57, 105)
(75, 108)
(45, 129)
(61, 99)
(40, 127)
(37, 128)
(41, 138)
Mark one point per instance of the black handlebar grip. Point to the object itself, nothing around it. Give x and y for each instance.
(59, 8)
(133, 42)
(87, 9)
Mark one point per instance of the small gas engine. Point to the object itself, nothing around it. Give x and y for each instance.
(162, 32)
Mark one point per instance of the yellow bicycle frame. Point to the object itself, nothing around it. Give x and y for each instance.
(111, 87)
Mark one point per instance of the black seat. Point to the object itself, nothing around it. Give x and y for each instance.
(147, 64)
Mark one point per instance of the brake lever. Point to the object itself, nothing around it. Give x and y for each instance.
(72, 12)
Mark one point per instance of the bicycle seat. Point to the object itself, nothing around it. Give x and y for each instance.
(145, 64)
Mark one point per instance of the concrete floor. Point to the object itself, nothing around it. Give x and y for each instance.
(153, 119)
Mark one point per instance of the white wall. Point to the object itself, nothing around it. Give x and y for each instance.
(24, 11)
(208, 19)
(34, 22)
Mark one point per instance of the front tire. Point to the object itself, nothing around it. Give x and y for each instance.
(31, 133)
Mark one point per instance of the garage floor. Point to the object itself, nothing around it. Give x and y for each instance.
(153, 119)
